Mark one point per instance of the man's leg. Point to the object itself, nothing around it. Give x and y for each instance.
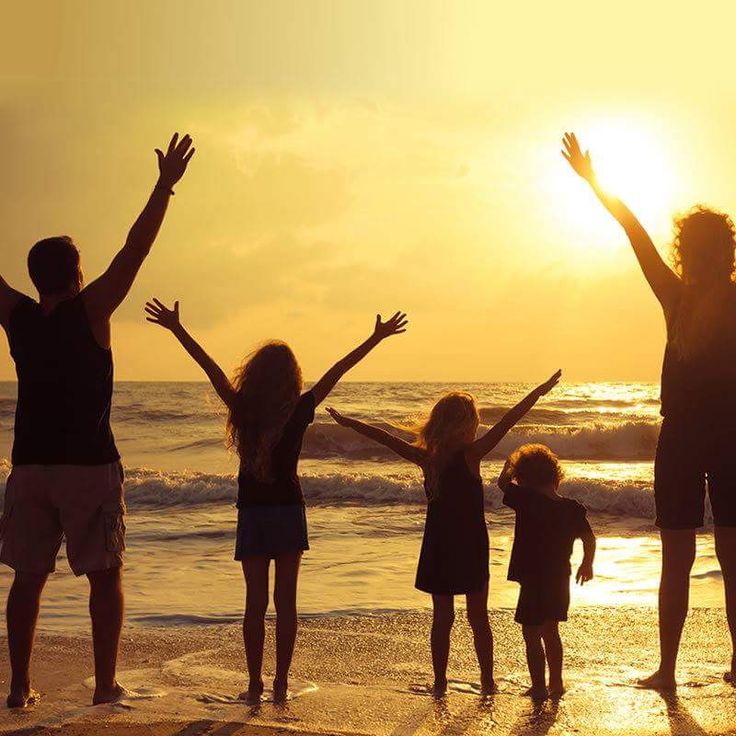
(678, 555)
(106, 609)
(24, 601)
(726, 551)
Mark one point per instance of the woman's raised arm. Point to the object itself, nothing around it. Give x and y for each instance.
(662, 279)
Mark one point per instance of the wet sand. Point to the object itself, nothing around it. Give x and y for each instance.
(369, 675)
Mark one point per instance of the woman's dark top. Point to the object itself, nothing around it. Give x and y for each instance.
(545, 531)
(64, 387)
(704, 385)
(284, 489)
(454, 555)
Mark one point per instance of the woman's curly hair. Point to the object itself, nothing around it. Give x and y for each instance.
(704, 244)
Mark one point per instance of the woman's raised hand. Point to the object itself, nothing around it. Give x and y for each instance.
(580, 162)
(173, 163)
(339, 418)
(549, 384)
(159, 314)
(393, 326)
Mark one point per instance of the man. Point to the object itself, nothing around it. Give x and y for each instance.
(66, 479)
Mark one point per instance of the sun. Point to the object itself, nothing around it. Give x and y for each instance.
(635, 161)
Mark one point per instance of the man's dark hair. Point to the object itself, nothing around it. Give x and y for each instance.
(53, 264)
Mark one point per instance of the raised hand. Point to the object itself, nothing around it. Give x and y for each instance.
(580, 162)
(393, 326)
(549, 384)
(584, 573)
(173, 163)
(339, 418)
(161, 315)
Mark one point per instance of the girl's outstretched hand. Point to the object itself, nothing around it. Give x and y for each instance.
(549, 384)
(580, 162)
(393, 326)
(160, 315)
(339, 418)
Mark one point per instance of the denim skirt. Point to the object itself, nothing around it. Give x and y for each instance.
(270, 531)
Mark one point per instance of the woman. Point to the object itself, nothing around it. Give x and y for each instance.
(698, 402)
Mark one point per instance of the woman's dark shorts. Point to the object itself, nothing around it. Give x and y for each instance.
(270, 531)
(689, 453)
(543, 598)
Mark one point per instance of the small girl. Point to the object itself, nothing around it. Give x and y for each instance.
(267, 417)
(547, 526)
(454, 555)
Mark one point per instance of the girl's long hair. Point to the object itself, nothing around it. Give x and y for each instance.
(453, 419)
(267, 386)
(703, 251)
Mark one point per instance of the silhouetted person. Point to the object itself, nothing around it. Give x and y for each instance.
(698, 403)
(66, 479)
(454, 555)
(546, 528)
(267, 417)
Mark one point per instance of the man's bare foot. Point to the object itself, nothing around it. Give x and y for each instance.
(537, 692)
(22, 698)
(556, 690)
(657, 681)
(116, 693)
(253, 694)
(280, 691)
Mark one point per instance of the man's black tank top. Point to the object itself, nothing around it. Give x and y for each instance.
(64, 387)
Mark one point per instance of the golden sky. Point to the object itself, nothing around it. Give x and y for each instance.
(357, 157)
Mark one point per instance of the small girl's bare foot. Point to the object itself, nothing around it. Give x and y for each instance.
(537, 692)
(22, 698)
(556, 690)
(730, 677)
(253, 694)
(439, 689)
(280, 691)
(657, 681)
(488, 688)
(114, 695)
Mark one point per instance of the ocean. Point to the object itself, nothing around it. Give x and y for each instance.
(365, 506)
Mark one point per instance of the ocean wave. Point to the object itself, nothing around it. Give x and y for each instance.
(146, 488)
(635, 440)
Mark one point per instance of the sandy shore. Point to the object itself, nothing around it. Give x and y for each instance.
(368, 675)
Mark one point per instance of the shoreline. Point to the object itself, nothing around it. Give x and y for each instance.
(367, 674)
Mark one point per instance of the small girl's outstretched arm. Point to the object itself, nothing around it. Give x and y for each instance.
(394, 326)
(662, 279)
(483, 445)
(169, 318)
(404, 449)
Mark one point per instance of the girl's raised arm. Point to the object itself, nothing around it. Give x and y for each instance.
(169, 318)
(663, 281)
(483, 445)
(394, 326)
(404, 449)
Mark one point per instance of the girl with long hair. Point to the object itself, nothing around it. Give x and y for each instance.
(454, 554)
(698, 401)
(267, 417)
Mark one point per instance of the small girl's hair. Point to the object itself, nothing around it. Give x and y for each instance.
(446, 429)
(535, 465)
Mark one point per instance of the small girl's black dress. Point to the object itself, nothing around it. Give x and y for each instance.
(454, 555)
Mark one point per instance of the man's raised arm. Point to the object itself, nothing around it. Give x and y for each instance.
(105, 294)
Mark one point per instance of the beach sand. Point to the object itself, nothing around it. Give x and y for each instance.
(368, 675)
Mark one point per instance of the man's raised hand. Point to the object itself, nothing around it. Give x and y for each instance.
(173, 163)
